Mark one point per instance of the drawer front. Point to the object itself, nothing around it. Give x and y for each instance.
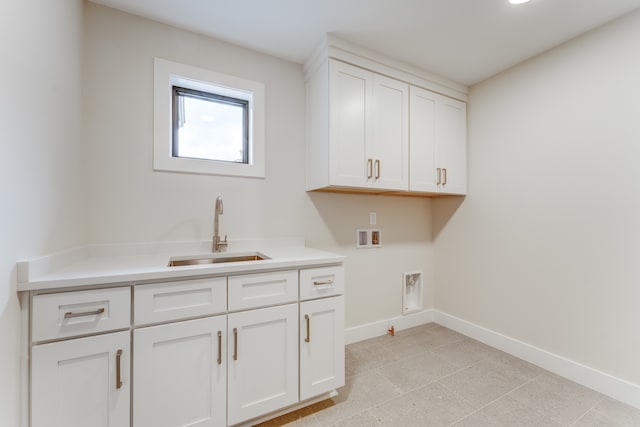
(161, 302)
(70, 314)
(321, 282)
(263, 289)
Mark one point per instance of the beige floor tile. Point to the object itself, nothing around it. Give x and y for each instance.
(418, 330)
(363, 419)
(432, 405)
(432, 376)
(301, 418)
(483, 382)
(610, 412)
(594, 419)
(363, 359)
(359, 394)
(514, 366)
(507, 412)
(464, 352)
(406, 345)
(416, 371)
(556, 397)
(441, 336)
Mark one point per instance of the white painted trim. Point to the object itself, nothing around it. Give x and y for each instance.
(166, 74)
(380, 327)
(25, 376)
(602, 382)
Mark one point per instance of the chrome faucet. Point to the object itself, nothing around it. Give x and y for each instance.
(218, 245)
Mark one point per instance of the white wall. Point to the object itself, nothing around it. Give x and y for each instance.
(42, 207)
(545, 247)
(129, 202)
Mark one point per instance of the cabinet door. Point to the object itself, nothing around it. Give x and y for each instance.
(390, 121)
(422, 165)
(452, 145)
(263, 361)
(75, 383)
(350, 92)
(180, 374)
(321, 346)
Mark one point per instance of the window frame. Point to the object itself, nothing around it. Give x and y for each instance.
(168, 74)
(177, 91)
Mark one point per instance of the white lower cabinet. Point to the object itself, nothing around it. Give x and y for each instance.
(180, 374)
(262, 361)
(81, 382)
(202, 354)
(321, 346)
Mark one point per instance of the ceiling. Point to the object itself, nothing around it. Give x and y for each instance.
(463, 40)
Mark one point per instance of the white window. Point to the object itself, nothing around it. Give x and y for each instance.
(207, 122)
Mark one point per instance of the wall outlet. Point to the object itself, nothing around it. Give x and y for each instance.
(368, 238)
(373, 218)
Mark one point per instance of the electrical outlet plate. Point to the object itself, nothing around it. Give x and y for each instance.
(368, 238)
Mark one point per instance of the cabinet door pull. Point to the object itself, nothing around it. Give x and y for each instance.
(378, 168)
(118, 367)
(308, 338)
(235, 343)
(439, 176)
(219, 347)
(444, 176)
(322, 282)
(70, 314)
(369, 168)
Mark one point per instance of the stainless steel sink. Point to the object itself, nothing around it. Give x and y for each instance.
(180, 261)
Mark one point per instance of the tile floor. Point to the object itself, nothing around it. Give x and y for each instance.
(433, 376)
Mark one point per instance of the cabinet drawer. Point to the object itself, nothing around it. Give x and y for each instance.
(259, 290)
(321, 282)
(69, 314)
(161, 302)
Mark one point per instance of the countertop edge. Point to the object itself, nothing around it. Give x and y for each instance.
(112, 275)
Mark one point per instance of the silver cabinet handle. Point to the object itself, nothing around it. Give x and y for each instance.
(235, 343)
(70, 314)
(322, 282)
(439, 176)
(369, 168)
(219, 347)
(444, 176)
(118, 374)
(308, 338)
(378, 162)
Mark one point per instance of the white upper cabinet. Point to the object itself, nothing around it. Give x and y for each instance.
(350, 131)
(368, 132)
(452, 145)
(438, 162)
(358, 129)
(423, 164)
(390, 122)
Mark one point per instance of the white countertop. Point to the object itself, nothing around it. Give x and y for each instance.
(126, 264)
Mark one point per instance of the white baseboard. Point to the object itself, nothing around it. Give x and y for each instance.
(379, 328)
(602, 382)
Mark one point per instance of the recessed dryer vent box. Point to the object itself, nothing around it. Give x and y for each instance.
(412, 292)
(368, 238)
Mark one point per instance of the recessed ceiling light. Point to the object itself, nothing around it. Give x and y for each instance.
(518, 1)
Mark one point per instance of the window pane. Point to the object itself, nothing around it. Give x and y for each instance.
(210, 129)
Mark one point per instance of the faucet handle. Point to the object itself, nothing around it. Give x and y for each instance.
(222, 244)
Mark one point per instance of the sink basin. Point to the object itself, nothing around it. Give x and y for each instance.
(180, 261)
